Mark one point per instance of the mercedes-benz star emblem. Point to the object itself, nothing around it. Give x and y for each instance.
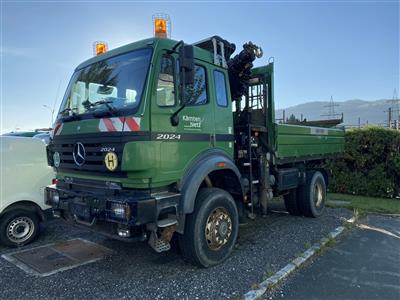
(79, 154)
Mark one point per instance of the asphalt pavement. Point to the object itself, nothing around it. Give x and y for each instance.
(364, 264)
(135, 271)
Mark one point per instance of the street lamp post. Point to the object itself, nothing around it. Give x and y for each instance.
(52, 113)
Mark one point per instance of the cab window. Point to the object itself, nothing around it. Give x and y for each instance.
(197, 92)
(165, 85)
(220, 88)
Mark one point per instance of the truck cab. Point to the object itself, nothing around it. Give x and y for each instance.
(158, 138)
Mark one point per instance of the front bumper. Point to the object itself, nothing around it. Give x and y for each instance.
(108, 210)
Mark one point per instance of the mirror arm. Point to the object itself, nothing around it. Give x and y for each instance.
(174, 118)
(177, 45)
(173, 50)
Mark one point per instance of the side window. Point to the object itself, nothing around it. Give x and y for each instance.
(197, 92)
(165, 85)
(220, 88)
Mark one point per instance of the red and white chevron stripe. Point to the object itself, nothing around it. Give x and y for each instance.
(57, 129)
(117, 124)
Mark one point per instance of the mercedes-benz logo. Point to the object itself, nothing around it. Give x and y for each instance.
(79, 154)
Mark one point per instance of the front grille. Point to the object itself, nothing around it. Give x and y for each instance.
(95, 153)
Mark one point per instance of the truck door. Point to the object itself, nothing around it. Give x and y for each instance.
(195, 131)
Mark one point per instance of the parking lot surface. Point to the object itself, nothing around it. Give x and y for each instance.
(363, 264)
(135, 271)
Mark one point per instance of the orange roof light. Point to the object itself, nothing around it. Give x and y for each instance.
(162, 25)
(100, 48)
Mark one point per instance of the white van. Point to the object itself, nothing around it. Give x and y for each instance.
(24, 173)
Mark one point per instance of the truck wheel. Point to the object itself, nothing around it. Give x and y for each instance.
(291, 203)
(312, 195)
(18, 228)
(211, 230)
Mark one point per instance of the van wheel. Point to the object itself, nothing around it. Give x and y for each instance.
(291, 203)
(312, 195)
(18, 228)
(211, 230)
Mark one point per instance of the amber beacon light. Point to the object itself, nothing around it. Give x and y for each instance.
(162, 25)
(100, 48)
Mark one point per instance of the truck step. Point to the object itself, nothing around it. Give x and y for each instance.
(158, 244)
(166, 222)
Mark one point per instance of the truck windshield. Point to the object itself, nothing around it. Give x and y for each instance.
(112, 85)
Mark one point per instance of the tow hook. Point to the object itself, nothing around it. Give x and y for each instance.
(167, 228)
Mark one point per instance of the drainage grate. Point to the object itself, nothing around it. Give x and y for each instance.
(53, 258)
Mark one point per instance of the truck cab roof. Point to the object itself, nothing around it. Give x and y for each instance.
(160, 43)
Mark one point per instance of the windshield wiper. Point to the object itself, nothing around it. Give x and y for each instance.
(71, 117)
(88, 105)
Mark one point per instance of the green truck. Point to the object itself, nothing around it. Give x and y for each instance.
(164, 141)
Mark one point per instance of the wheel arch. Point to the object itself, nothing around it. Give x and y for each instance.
(25, 205)
(214, 165)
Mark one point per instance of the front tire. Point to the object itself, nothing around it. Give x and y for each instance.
(211, 230)
(312, 195)
(18, 228)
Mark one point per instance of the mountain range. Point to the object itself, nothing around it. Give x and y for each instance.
(371, 112)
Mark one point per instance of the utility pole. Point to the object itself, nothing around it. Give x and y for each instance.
(393, 111)
(331, 114)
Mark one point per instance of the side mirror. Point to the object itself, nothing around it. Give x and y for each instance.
(186, 62)
(186, 57)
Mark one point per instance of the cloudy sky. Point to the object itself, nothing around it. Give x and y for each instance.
(347, 49)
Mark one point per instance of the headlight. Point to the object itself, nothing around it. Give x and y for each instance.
(56, 198)
(53, 198)
(120, 210)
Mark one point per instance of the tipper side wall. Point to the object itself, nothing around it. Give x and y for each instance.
(304, 142)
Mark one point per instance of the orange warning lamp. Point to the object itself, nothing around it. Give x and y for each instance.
(162, 25)
(100, 48)
(160, 28)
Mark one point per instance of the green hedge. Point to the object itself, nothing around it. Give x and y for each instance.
(370, 165)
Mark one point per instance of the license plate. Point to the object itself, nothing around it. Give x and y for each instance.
(80, 210)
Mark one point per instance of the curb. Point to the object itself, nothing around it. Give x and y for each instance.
(294, 264)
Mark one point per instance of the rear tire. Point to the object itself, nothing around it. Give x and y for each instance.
(211, 230)
(291, 203)
(18, 228)
(312, 195)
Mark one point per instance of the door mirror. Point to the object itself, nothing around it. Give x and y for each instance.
(186, 57)
(186, 66)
